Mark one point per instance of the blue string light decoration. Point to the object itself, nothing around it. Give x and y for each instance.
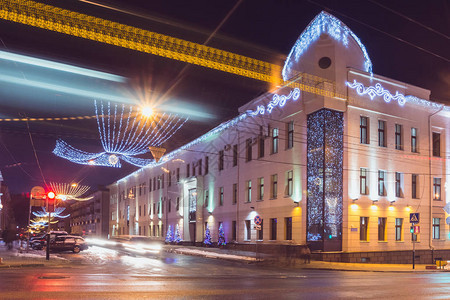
(169, 235)
(378, 90)
(207, 241)
(177, 237)
(325, 129)
(221, 241)
(124, 134)
(277, 100)
(56, 214)
(328, 24)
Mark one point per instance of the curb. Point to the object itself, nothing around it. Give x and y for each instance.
(379, 271)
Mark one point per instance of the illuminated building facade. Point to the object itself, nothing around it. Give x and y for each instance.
(340, 173)
(90, 217)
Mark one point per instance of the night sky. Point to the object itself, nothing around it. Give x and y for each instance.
(406, 40)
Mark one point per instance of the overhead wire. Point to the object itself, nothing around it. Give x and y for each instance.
(381, 31)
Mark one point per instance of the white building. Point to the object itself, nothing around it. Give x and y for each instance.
(339, 166)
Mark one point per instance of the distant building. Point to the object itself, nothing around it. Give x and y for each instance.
(7, 219)
(339, 168)
(90, 217)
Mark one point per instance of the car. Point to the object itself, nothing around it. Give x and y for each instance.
(72, 243)
(41, 242)
(138, 244)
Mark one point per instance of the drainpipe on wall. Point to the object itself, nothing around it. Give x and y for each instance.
(430, 136)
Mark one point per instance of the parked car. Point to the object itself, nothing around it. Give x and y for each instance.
(40, 243)
(68, 243)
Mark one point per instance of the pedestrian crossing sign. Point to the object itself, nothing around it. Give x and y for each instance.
(414, 218)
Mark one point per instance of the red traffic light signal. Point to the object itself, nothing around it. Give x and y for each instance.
(51, 196)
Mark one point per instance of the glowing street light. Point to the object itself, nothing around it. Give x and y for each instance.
(147, 111)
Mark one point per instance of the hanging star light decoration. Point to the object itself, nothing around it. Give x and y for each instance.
(56, 214)
(124, 134)
(65, 191)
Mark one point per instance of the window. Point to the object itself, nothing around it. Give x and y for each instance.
(188, 170)
(436, 228)
(260, 188)
(221, 196)
(414, 140)
(261, 232)
(261, 149)
(139, 210)
(381, 229)
(221, 155)
(248, 148)
(178, 174)
(436, 144)
(178, 204)
(234, 230)
(249, 191)
(200, 167)
(436, 188)
(274, 179)
(414, 179)
(381, 133)
(398, 184)
(363, 227)
(290, 135)
(206, 198)
(289, 183)
(398, 229)
(275, 140)
(248, 232)
(169, 179)
(364, 130)
(235, 155)
(162, 181)
(398, 137)
(288, 225)
(206, 165)
(381, 183)
(145, 211)
(169, 204)
(235, 193)
(363, 181)
(273, 229)
(193, 169)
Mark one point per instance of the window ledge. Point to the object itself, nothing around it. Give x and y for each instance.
(365, 242)
(287, 196)
(400, 241)
(273, 199)
(383, 242)
(260, 200)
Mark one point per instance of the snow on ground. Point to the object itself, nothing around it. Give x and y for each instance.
(210, 254)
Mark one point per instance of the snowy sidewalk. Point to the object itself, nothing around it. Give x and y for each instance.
(216, 253)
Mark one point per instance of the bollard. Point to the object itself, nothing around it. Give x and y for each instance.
(1, 260)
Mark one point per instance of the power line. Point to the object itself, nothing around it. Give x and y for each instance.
(381, 31)
(409, 19)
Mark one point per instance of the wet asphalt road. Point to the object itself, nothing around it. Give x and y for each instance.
(103, 274)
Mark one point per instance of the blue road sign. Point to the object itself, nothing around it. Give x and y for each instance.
(414, 218)
(257, 220)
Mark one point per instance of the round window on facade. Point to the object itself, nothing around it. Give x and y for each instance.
(325, 62)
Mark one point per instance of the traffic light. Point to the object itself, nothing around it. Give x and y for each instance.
(411, 229)
(51, 197)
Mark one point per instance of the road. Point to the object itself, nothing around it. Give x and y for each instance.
(103, 274)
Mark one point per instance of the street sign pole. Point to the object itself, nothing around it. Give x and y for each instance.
(414, 253)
